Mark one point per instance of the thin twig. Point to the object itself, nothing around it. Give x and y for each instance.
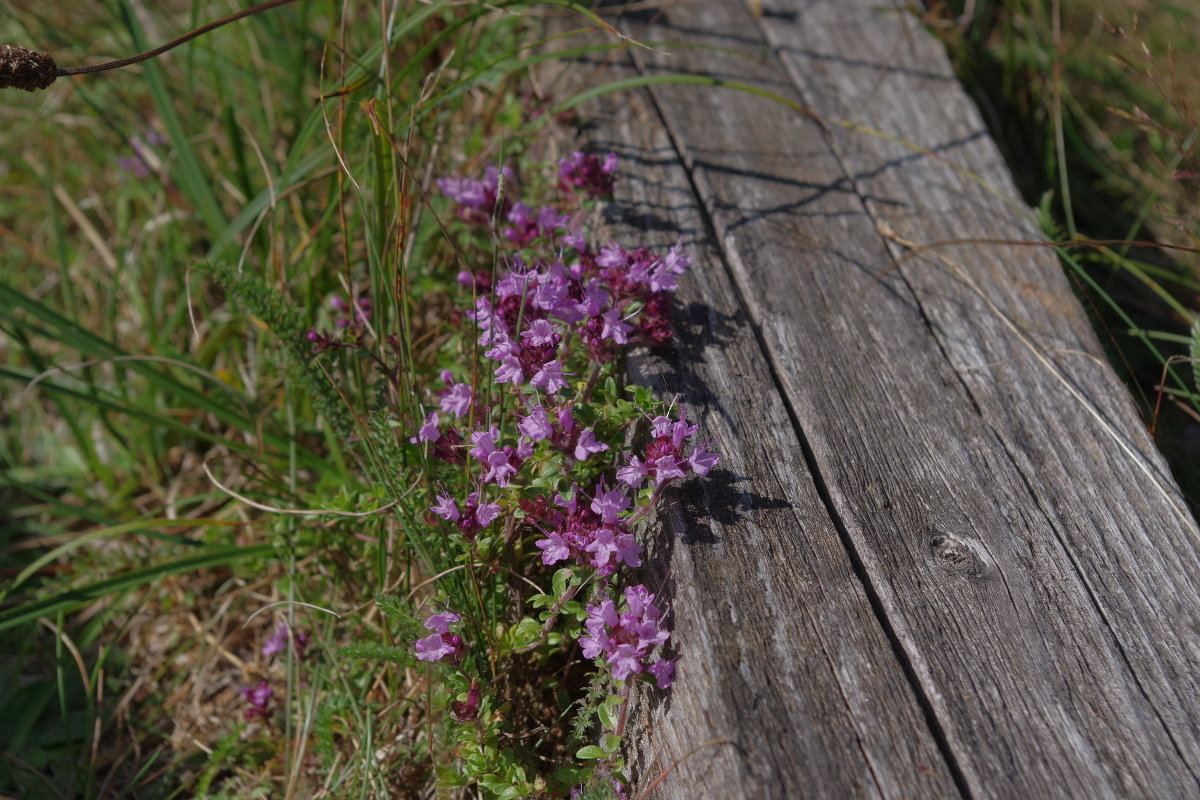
(187, 37)
(300, 512)
(32, 70)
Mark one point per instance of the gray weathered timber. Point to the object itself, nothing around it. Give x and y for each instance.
(942, 557)
(783, 656)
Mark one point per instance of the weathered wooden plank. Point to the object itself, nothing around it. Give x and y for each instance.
(1023, 350)
(787, 684)
(790, 665)
(1033, 579)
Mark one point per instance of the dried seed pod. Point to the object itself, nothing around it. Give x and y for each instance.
(25, 69)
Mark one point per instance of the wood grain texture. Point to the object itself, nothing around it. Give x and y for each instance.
(782, 654)
(942, 556)
(787, 684)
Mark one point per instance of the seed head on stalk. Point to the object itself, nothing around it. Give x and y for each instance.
(25, 69)
(32, 70)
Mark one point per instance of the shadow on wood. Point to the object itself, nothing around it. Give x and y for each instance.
(942, 557)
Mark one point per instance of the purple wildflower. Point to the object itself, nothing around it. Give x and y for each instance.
(609, 504)
(624, 640)
(666, 457)
(474, 515)
(542, 333)
(585, 536)
(486, 514)
(528, 226)
(440, 621)
(536, 425)
(666, 468)
(524, 448)
(554, 548)
(351, 316)
(615, 327)
(587, 444)
(701, 462)
(259, 698)
(485, 443)
(442, 644)
(457, 399)
(446, 508)
(588, 173)
(476, 199)
(663, 671)
(428, 432)
(498, 460)
(550, 377)
(510, 370)
(466, 710)
(664, 277)
(635, 474)
(277, 641)
(613, 256)
(321, 341)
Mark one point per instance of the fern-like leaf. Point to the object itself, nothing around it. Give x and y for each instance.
(404, 656)
(280, 315)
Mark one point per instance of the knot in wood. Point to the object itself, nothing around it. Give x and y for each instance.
(955, 555)
(25, 69)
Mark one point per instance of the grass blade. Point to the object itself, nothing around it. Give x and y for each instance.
(72, 599)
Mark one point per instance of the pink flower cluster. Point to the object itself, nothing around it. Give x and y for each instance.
(588, 173)
(624, 639)
(610, 298)
(350, 319)
(477, 199)
(556, 308)
(466, 710)
(664, 458)
(591, 535)
(278, 641)
(347, 315)
(259, 698)
(442, 645)
(474, 516)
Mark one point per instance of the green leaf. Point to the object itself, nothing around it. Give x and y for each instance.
(608, 716)
(590, 752)
(75, 598)
(115, 530)
(560, 581)
(525, 633)
(71, 334)
(380, 652)
(192, 178)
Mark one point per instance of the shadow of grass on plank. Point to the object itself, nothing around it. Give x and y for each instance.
(1092, 103)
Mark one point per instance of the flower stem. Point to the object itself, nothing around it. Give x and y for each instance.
(158, 51)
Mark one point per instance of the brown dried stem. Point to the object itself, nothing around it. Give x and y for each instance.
(32, 70)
